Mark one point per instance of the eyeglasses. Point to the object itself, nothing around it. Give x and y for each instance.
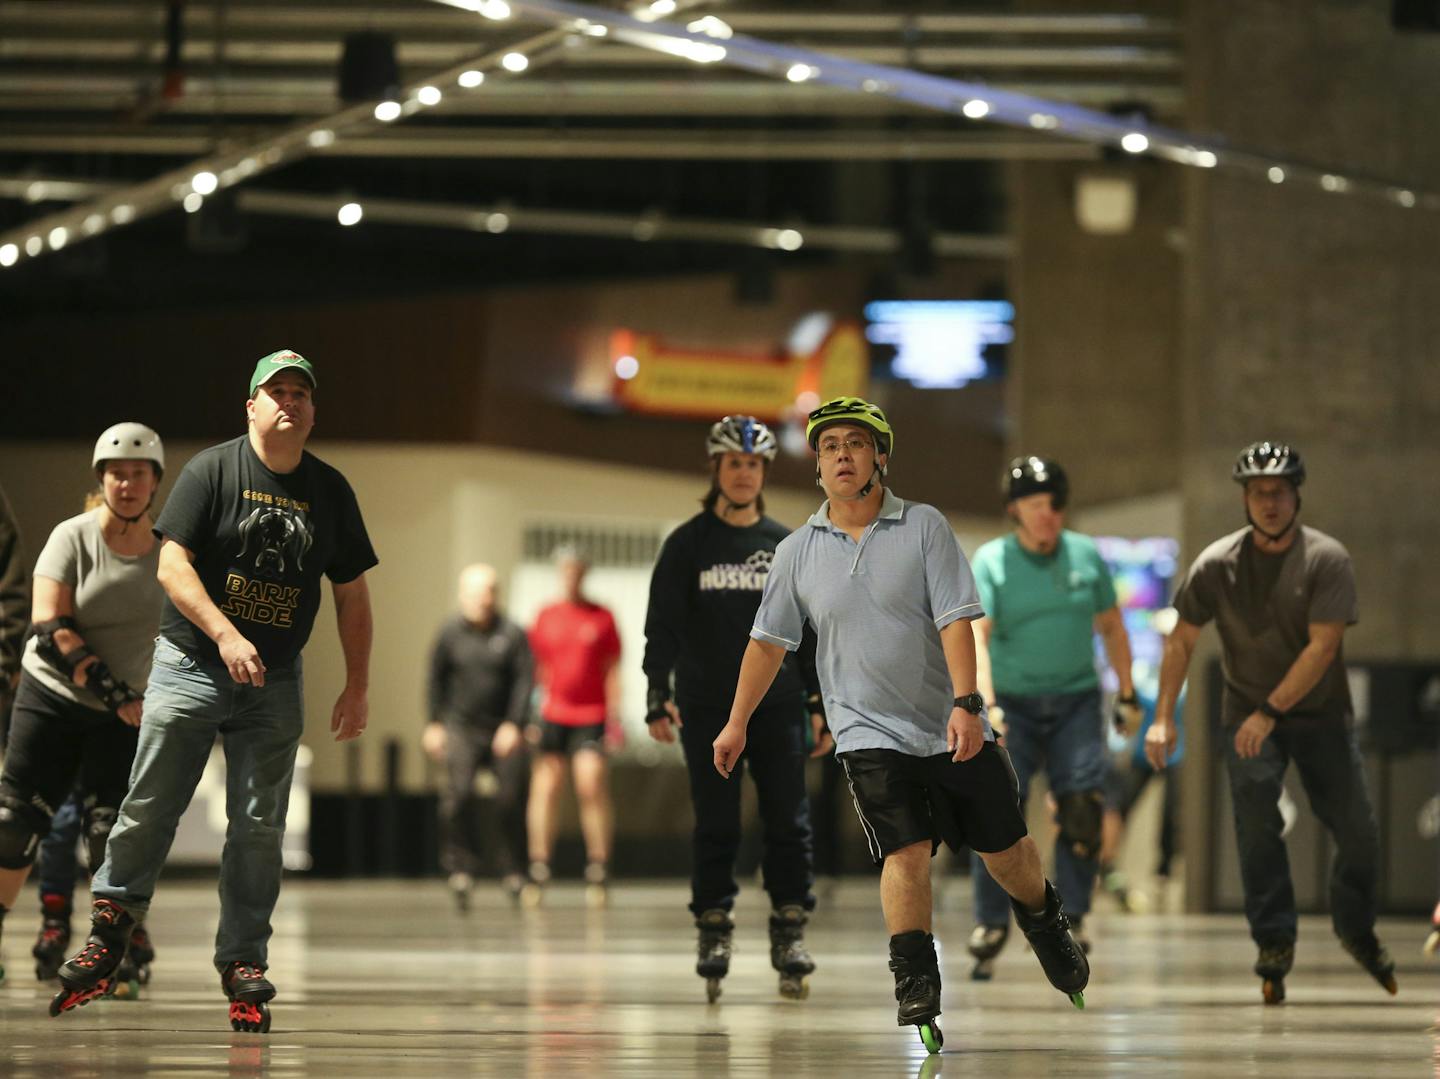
(831, 447)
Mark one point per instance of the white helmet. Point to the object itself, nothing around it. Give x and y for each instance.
(129, 442)
(741, 434)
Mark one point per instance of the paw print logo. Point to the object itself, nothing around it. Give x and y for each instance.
(760, 561)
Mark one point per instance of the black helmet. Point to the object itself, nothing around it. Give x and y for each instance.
(1261, 459)
(1033, 476)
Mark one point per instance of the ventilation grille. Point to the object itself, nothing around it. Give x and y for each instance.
(601, 545)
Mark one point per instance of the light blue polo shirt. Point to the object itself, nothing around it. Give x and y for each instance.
(877, 608)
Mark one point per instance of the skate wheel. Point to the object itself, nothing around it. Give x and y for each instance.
(712, 989)
(795, 988)
(1273, 989)
(1389, 984)
(69, 999)
(253, 1018)
(931, 1036)
(1078, 999)
(128, 990)
(143, 975)
(983, 971)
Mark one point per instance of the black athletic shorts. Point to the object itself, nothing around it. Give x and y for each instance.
(562, 738)
(903, 800)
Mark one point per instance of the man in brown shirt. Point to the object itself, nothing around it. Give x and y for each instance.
(1281, 595)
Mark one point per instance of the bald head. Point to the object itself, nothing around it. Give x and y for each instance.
(477, 593)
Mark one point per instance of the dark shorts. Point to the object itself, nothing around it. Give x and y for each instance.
(903, 800)
(562, 738)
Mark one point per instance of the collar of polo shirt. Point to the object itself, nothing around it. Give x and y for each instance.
(892, 508)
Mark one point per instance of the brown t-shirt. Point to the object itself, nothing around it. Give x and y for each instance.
(1263, 605)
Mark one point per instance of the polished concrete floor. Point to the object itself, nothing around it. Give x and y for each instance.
(386, 979)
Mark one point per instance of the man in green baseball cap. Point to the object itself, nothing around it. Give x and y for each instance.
(271, 365)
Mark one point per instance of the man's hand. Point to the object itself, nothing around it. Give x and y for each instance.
(728, 746)
(823, 739)
(351, 713)
(662, 724)
(1160, 742)
(130, 712)
(435, 740)
(242, 660)
(1252, 734)
(964, 734)
(1128, 714)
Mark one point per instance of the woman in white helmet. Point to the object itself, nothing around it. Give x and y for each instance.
(95, 611)
(703, 596)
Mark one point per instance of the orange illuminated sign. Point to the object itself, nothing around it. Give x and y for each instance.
(703, 383)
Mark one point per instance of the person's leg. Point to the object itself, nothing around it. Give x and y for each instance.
(182, 704)
(1075, 761)
(43, 758)
(716, 803)
(776, 751)
(1255, 785)
(545, 780)
(261, 737)
(457, 801)
(591, 774)
(58, 864)
(905, 889)
(1334, 778)
(512, 773)
(1024, 744)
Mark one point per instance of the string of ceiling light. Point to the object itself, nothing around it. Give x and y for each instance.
(708, 40)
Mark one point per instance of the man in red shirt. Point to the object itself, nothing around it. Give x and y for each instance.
(577, 653)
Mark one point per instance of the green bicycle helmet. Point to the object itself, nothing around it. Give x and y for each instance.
(854, 410)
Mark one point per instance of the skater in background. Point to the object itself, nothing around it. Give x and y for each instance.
(249, 529)
(889, 594)
(703, 596)
(1281, 594)
(95, 611)
(479, 688)
(1046, 593)
(577, 654)
(1125, 782)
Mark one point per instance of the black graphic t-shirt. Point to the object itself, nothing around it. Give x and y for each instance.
(703, 597)
(261, 541)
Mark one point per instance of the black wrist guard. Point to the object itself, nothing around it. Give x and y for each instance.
(656, 698)
(1265, 708)
(815, 703)
(99, 681)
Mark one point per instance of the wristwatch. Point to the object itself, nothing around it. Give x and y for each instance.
(972, 703)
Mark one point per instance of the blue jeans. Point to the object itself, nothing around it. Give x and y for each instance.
(187, 705)
(1062, 732)
(57, 864)
(1334, 781)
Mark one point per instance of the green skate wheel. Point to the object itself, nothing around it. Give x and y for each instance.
(1078, 999)
(931, 1036)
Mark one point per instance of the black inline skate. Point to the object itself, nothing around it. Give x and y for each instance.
(985, 945)
(917, 985)
(54, 938)
(90, 973)
(249, 992)
(1271, 965)
(713, 949)
(1060, 956)
(1373, 956)
(787, 951)
(142, 951)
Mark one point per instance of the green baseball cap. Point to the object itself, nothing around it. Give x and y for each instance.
(271, 365)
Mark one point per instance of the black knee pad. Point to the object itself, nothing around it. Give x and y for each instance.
(22, 826)
(1080, 814)
(98, 822)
